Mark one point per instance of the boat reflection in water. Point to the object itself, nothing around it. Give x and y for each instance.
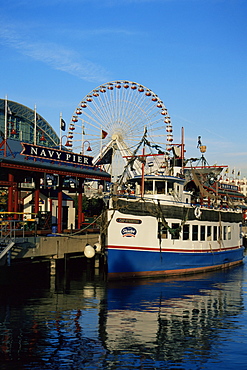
(178, 321)
(189, 323)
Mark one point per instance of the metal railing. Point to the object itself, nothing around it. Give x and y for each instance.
(11, 230)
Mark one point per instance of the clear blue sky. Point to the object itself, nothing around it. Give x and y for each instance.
(191, 53)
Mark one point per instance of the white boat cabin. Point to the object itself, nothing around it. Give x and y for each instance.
(160, 187)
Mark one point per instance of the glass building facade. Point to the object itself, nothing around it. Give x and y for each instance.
(23, 123)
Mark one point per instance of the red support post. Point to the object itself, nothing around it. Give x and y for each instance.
(36, 195)
(59, 210)
(16, 203)
(10, 192)
(59, 205)
(79, 210)
(80, 204)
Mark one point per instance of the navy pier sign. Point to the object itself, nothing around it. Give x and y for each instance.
(55, 154)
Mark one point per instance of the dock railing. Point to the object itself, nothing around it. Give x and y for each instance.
(11, 230)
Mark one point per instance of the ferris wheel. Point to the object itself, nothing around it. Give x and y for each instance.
(113, 118)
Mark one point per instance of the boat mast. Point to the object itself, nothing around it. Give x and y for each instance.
(182, 149)
(143, 167)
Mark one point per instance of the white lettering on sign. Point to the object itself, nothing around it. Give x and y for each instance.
(61, 155)
(43, 153)
(34, 151)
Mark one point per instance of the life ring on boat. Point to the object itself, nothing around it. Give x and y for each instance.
(197, 212)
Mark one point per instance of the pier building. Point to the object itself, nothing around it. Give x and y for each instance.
(40, 179)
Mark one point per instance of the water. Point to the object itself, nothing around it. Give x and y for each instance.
(77, 321)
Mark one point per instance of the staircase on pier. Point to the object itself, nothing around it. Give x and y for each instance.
(8, 239)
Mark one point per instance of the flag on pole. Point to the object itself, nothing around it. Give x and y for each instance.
(106, 158)
(9, 110)
(62, 124)
(103, 134)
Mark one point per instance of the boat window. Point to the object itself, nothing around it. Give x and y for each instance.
(186, 232)
(229, 233)
(194, 232)
(224, 232)
(215, 232)
(169, 187)
(137, 188)
(175, 231)
(209, 233)
(148, 187)
(203, 234)
(159, 187)
(220, 232)
(162, 231)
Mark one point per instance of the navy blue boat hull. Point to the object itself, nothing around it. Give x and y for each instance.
(128, 263)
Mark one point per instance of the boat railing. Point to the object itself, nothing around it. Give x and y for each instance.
(178, 202)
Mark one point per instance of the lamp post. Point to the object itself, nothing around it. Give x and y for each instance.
(89, 149)
(61, 141)
(42, 137)
(68, 142)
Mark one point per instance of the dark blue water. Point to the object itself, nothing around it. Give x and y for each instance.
(78, 321)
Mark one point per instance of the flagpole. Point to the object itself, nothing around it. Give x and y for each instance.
(62, 128)
(82, 138)
(60, 124)
(101, 141)
(35, 126)
(5, 125)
